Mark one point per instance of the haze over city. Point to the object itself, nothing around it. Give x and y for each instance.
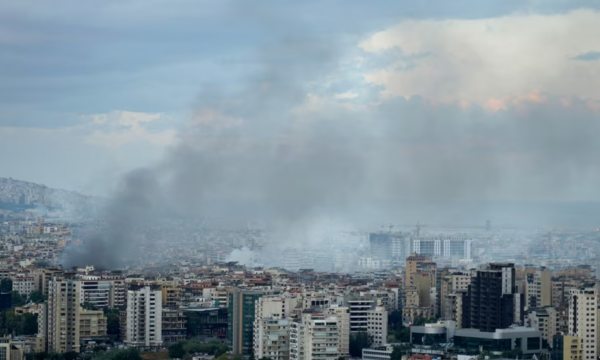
(322, 152)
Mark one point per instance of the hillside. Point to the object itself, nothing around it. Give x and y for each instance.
(20, 195)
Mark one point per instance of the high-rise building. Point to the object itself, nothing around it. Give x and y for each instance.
(538, 288)
(358, 307)
(63, 313)
(492, 302)
(272, 338)
(240, 320)
(377, 325)
(271, 326)
(316, 335)
(343, 316)
(544, 320)
(102, 293)
(174, 325)
(566, 347)
(583, 320)
(450, 248)
(413, 263)
(144, 316)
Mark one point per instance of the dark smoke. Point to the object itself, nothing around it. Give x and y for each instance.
(277, 150)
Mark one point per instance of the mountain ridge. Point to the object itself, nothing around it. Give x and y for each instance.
(21, 195)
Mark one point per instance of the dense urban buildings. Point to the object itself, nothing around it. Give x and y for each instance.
(441, 288)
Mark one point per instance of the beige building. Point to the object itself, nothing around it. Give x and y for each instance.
(92, 325)
(144, 316)
(316, 335)
(538, 288)
(377, 325)
(453, 308)
(545, 320)
(413, 263)
(583, 320)
(63, 314)
(8, 351)
(271, 338)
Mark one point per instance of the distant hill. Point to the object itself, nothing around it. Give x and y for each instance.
(17, 195)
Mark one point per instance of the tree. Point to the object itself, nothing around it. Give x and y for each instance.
(29, 324)
(222, 357)
(37, 297)
(18, 299)
(89, 306)
(6, 285)
(113, 322)
(176, 351)
(398, 352)
(359, 341)
(71, 355)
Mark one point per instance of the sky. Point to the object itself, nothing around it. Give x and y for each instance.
(468, 99)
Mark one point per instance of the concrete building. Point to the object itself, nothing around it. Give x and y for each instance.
(454, 307)
(92, 326)
(538, 289)
(102, 292)
(240, 320)
(343, 316)
(63, 315)
(566, 347)
(272, 338)
(491, 300)
(8, 350)
(359, 307)
(144, 316)
(377, 325)
(174, 325)
(544, 320)
(24, 284)
(316, 335)
(413, 264)
(583, 320)
(441, 247)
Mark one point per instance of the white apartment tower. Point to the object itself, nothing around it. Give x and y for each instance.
(144, 317)
(583, 320)
(316, 335)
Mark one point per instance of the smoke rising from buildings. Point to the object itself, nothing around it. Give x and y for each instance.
(277, 148)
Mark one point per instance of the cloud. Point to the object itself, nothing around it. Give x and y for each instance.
(119, 128)
(588, 56)
(494, 58)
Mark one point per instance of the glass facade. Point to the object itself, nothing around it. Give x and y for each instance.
(486, 344)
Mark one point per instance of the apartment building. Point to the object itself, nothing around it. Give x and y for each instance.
(377, 325)
(174, 325)
(24, 284)
(102, 292)
(144, 316)
(63, 314)
(583, 320)
(271, 338)
(316, 335)
(538, 288)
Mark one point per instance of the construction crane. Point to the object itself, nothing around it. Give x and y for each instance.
(418, 229)
(391, 227)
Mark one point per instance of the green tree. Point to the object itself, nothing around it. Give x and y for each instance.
(29, 324)
(222, 357)
(398, 352)
(359, 341)
(18, 299)
(176, 351)
(113, 322)
(71, 355)
(6, 285)
(37, 297)
(89, 306)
